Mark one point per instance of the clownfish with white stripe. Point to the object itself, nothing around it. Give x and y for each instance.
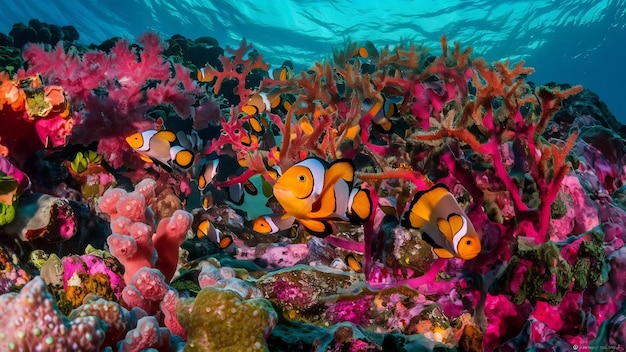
(317, 193)
(284, 72)
(206, 229)
(381, 112)
(207, 172)
(273, 223)
(444, 225)
(156, 146)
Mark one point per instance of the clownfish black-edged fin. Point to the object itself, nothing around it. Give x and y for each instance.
(353, 263)
(422, 206)
(341, 168)
(439, 251)
(168, 135)
(443, 253)
(225, 242)
(450, 226)
(360, 205)
(318, 228)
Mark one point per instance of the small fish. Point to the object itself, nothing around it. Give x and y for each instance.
(284, 72)
(444, 225)
(353, 263)
(206, 229)
(316, 193)
(203, 76)
(273, 223)
(381, 112)
(156, 146)
(259, 103)
(207, 172)
(207, 201)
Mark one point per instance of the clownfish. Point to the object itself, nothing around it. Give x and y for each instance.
(206, 229)
(156, 146)
(381, 112)
(353, 263)
(207, 172)
(315, 192)
(203, 76)
(273, 223)
(444, 225)
(236, 193)
(284, 72)
(258, 103)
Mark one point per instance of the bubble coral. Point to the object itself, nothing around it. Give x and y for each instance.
(31, 321)
(220, 320)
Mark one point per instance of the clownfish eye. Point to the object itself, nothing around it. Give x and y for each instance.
(468, 242)
(301, 178)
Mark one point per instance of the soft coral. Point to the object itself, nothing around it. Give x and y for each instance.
(112, 92)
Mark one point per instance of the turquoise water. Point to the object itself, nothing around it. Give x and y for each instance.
(575, 41)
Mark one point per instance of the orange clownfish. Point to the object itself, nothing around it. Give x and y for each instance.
(204, 76)
(353, 263)
(444, 225)
(156, 146)
(273, 223)
(315, 192)
(206, 229)
(207, 172)
(284, 72)
(381, 112)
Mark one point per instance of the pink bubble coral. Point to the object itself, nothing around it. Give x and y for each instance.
(22, 331)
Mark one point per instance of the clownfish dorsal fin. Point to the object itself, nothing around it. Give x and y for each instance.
(318, 228)
(167, 135)
(342, 168)
(422, 206)
(445, 228)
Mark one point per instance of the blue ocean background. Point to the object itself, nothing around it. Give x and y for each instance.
(566, 41)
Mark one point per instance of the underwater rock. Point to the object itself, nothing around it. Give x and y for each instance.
(12, 274)
(42, 217)
(298, 289)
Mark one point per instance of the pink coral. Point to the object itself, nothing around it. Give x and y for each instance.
(170, 234)
(145, 290)
(148, 335)
(53, 331)
(111, 92)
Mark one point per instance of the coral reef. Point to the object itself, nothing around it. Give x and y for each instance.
(155, 244)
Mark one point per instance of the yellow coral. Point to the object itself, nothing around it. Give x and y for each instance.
(220, 320)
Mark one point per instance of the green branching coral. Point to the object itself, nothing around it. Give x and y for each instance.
(220, 320)
(589, 267)
(8, 198)
(536, 273)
